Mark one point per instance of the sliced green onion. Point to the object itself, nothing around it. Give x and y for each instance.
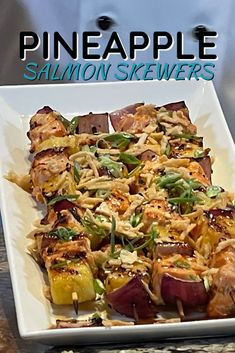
(136, 219)
(120, 140)
(103, 193)
(73, 125)
(154, 233)
(62, 233)
(199, 154)
(182, 200)
(98, 286)
(206, 283)
(188, 136)
(144, 245)
(128, 158)
(101, 218)
(59, 264)
(115, 168)
(213, 191)
(193, 277)
(93, 149)
(64, 121)
(169, 178)
(63, 197)
(92, 228)
(76, 169)
(129, 246)
(136, 170)
(152, 236)
(167, 151)
(86, 148)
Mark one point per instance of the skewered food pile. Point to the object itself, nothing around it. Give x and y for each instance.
(132, 217)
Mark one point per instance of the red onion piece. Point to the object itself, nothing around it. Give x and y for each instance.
(205, 163)
(63, 205)
(132, 298)
(45, 110)
(147, 155)
(171, 248)
(92, 123)
(174, 106)
(190, 293)
(117, 115)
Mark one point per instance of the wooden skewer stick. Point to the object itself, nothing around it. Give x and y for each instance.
(75, 301)
(180, 308)
(135, 314)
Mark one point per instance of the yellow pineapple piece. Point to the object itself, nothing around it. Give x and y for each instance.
(120, 277)
(72, 277)
(115, 280)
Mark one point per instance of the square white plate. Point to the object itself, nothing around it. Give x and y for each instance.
(19, 211)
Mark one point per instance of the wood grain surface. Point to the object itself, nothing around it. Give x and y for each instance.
(10, 341)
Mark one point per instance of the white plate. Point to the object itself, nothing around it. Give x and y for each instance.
(19, 211)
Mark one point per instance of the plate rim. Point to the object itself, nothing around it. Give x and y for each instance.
(48, 333)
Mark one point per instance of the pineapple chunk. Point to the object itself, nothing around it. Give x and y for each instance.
(73, 277)
(120, 277)
(115, 280)
(68, 142)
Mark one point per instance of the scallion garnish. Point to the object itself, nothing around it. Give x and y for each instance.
(92, 228)
(119, 140)
(213, 191)
(136, 170)
(181, 191)
(76, 168)
(115, 168)
(152, 236)
(63, 197)
(182, 200)
(59, 264)
(85, 148)
(103, 193)
(167, 180)
(93, 149)
(64, 121)
(199, 154)
(136, 219)
(73, 125)
(128, 158)
(62, 233)
(188, 137)
(167, 151)
(206, 283)
(98, 286)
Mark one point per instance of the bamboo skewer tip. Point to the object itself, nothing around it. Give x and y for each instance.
(75, 302)
(180, 308)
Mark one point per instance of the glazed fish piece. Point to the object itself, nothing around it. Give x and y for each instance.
(44, 124)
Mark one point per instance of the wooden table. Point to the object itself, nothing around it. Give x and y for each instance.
(10, 342)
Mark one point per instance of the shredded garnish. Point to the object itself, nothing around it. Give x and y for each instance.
(129, 212)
